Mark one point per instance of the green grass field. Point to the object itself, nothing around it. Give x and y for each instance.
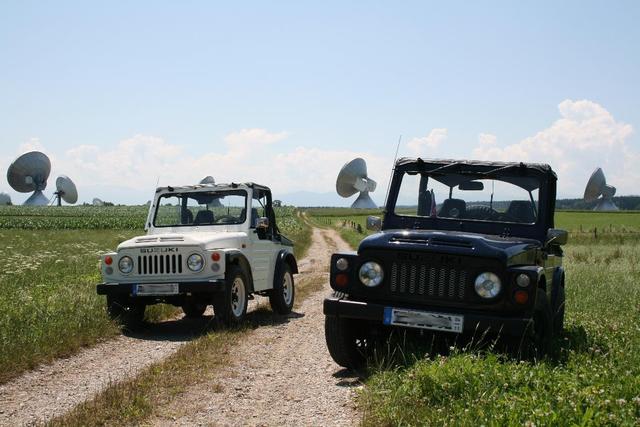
(49, 266)
(593, 377)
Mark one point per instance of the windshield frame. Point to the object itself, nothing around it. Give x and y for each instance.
(452, 182)
(229, 191)
(494, 170)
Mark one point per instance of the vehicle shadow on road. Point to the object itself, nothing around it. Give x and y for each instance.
(186, 329)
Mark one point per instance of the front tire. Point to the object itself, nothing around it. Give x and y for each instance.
(130, 314)
(230, 307)
(539, 343)
(558, 311)
(283, 293)
(347, 341)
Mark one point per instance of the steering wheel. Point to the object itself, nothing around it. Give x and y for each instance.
(482, 213)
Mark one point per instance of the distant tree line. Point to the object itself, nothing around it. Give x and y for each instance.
(623, 202)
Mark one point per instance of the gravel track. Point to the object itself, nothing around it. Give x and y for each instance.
(280, 374)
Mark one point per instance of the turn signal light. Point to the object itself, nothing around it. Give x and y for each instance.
(215, 257)
(521, 297)
(108, 260)
(342, 280)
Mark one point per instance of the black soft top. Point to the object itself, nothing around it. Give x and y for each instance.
(476, 166)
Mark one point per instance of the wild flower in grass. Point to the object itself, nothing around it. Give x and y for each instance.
(636, 400)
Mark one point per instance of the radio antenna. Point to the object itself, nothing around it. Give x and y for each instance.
(393, 168)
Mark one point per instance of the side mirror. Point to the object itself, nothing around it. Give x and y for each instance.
(374, 223)
(262, 223)
(557, 237)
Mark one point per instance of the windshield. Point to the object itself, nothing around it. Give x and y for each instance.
(469, 197)
(201, 208)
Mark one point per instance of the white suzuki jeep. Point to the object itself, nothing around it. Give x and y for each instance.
(206, 244)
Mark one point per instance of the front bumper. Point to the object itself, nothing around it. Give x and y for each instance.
(473, 322)
(190, 288)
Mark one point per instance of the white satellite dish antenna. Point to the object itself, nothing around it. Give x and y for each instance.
(5, 199)
(66, 190)
(97, 202)
(597, 189)
(29, 173)
(353, 178)
(208, 180)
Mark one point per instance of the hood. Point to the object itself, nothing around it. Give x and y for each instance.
(204, 240)
(507, 249)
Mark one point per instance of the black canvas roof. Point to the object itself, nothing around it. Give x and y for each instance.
(476, 166)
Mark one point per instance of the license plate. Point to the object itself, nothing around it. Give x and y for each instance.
(423, 319)
(157, 289)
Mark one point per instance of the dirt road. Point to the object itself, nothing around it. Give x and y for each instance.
(281, 374)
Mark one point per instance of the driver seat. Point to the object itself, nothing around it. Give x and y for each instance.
(203, 217)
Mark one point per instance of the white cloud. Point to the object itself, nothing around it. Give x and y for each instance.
(420, 146)
(584, 137)
(130, 170)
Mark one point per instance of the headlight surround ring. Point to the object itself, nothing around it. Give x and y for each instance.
(488, 285)
(125, 265)
(195, 262)
(371, 274)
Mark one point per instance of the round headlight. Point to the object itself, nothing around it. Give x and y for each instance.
(195, 262)
(342, 264)
(371, 274)
(523, 280)
(125, 265)
(488, 285)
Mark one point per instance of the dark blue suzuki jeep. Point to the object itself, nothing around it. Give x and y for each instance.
(465, 247)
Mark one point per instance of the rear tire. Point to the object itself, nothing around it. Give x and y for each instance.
(230, 306)
(282, 295)
(194, 309)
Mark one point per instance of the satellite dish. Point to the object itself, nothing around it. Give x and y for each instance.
(66, 190)
(352, 179)
(29, 173)
(209, 180)
(597, 189)
(97, 202)
(5, 199)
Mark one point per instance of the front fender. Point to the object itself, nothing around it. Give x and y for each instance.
(238, 258)
(284, 258)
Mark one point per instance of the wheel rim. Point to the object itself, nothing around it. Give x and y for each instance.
(237, 297)
(287, 288)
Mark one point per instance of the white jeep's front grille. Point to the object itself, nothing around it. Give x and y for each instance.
(159, 264)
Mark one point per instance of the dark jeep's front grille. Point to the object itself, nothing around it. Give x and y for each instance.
(443, 282)
(159, 264)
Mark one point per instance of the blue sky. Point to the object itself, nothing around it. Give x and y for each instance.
(122, 95)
